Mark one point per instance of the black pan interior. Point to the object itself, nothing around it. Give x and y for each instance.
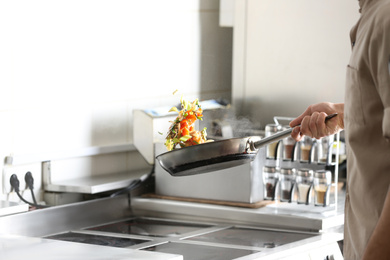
(207, 157)
(209, 165)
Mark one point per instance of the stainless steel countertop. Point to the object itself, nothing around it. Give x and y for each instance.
(21, 233)
(15, 247)
(9, 207)
(286, 215)
(328, 222)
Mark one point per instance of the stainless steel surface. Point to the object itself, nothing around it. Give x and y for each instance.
(90, 184)
(223, 185)
(110, 218)
(20, 247)
(218, 155)
(9, 207)
(57, 219)
(252, 236)
(282, 215)
(151, 227)
(192, 251)
(272, 128)
(200, 242)
(269, 139)
(307, 249)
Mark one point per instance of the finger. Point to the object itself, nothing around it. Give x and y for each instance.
(322, 128)
(305, 129)
(296, 134)
(298, 120)
(313, 124)
(333, 125)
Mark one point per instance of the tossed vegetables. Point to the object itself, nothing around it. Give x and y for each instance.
(182, 131)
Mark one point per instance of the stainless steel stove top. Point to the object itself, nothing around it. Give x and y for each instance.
(108, 223)
(254, 237)
(192, 240)
(149, 227)
(198, 252)
(96, 239)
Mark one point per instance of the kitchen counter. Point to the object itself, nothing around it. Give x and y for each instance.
(326, 222)
(108, 228)
(20, 247)
(280, 215)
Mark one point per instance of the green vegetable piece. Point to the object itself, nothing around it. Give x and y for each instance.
(185, 138)
(173, 109)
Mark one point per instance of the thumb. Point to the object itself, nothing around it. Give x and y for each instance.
(296, 134)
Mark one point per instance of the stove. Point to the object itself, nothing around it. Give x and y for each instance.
(199, 252)
(160, 235)
(149, 227)
(254, 237)
(96, 239)
(192, 240)
(110, 223)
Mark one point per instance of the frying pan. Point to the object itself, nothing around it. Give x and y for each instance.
(217, 155)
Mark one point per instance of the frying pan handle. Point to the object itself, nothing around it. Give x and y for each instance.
(270, 139)
(279, 135)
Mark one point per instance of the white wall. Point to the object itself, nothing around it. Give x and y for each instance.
(290, 54)
(71, 72)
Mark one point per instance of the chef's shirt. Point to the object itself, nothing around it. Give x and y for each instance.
(367, 125)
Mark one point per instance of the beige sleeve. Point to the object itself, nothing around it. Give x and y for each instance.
(380, 64)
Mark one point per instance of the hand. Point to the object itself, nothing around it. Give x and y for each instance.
(312, 121)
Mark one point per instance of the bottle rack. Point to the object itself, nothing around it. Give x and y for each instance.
(329, 161)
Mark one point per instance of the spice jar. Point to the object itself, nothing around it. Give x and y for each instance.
(324, 149)
(287, 180)
(270, 180)
(271, 129)
(288, 147)
(322, 182)
(304, 183)
(306, 144)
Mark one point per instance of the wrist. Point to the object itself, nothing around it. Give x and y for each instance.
(339, 109)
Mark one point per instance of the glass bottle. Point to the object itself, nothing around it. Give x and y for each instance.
(306, 144)
(322, 183)
(304, 182)
(325, 149)
(270, 180)
(286, 184)
(288, 147)
(271, 129)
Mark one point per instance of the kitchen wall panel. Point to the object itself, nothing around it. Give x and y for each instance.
(6, 140)
(72, 72)
(290, 54)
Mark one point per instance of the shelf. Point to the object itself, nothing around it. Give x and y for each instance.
(96, 184)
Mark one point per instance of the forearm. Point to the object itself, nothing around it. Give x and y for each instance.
(378, 246)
